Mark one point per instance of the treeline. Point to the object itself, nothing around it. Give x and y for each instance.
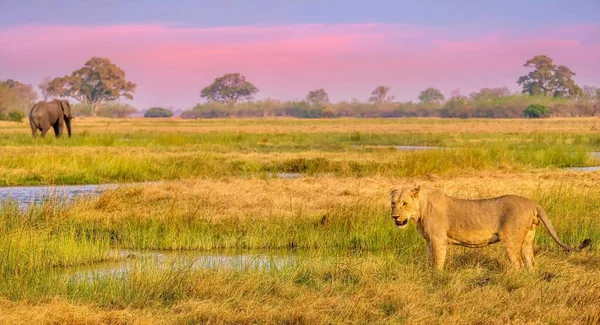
(509, 106)
(15, 99)
(547, 90)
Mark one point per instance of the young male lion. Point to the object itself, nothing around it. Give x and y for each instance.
(443, 220)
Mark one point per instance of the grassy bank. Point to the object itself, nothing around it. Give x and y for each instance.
(353, 255)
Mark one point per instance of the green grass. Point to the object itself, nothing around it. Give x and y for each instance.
(29, 166)
(130, 152)
(354, 266)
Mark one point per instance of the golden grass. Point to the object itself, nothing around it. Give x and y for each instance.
(584, 125)
(380, 287)
(377, 275)
(242, 198)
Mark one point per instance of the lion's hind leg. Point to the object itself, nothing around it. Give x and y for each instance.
(527, 248)
(513, 251)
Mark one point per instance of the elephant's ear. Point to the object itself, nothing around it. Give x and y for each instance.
(66, 108)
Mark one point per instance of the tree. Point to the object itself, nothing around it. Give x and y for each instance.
(536, 111)
(44, 88)
(549, 80)
(591, 94)
(158, 112)
(431, 95)
(98, 81)
(317, 96)
(24, 94)
(380, 95)
(229, 89)
(565, 85)
(8, 99)
(541, 80)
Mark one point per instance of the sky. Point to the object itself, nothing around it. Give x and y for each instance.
(172, 49)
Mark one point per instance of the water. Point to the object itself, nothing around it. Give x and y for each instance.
(27, 195)
(403, 148)
(593, 154)
(416, 148)
(583, 169)
(148, 261)
(285, 175)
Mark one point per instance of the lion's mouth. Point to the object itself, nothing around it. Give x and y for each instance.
(401, 223)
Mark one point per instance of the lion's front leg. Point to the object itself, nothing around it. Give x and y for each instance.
(438, 248)
(429, 254)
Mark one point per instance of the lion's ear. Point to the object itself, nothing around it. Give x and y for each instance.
(415, 191)
(393, 191)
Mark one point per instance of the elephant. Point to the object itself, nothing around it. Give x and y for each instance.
(45, 115)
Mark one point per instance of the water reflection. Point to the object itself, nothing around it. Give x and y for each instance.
(28, 195)
(147, 261)
(583, 169)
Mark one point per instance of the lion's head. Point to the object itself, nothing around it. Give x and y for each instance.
(405, 205)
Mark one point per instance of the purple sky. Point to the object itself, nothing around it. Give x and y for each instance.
(288, 48)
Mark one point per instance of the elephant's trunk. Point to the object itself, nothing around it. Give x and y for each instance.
(68, 123)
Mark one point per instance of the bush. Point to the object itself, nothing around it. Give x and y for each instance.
(116, 109)
(158, 112)
(536, 111)
(14, 116)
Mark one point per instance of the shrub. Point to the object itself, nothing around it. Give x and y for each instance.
(158, 112)
(116, 109)
(536, 111)
(14, 116)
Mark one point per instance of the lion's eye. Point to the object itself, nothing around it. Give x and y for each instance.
(404, 204)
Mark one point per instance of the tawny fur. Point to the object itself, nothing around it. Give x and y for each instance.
(443, 220)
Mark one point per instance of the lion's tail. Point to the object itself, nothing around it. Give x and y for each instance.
(542, 215)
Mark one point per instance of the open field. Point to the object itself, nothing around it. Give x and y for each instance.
(134, 150)
(353, 266)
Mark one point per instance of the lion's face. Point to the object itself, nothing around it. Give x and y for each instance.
(404, 206)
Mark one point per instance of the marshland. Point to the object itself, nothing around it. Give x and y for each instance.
(288, 221)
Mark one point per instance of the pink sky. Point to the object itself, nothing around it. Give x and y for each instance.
(172, 65)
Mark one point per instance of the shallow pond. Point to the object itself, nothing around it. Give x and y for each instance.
(583, 169)
(416, 148)
(27, 195)
(148, 261)
(402, 148)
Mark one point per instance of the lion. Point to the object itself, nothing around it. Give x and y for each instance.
(443, 220)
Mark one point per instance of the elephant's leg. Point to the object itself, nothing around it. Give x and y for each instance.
(56, 127)
(33, 129)
(44, 131)
(61, 128)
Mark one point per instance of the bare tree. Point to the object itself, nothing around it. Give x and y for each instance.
(44, 88)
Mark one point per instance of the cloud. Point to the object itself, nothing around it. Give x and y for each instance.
(171, 65)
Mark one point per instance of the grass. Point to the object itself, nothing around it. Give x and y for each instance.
(107, 158)
(353, 255)
(354, 266)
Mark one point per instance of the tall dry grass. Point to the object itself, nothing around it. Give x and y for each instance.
(356, 266)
